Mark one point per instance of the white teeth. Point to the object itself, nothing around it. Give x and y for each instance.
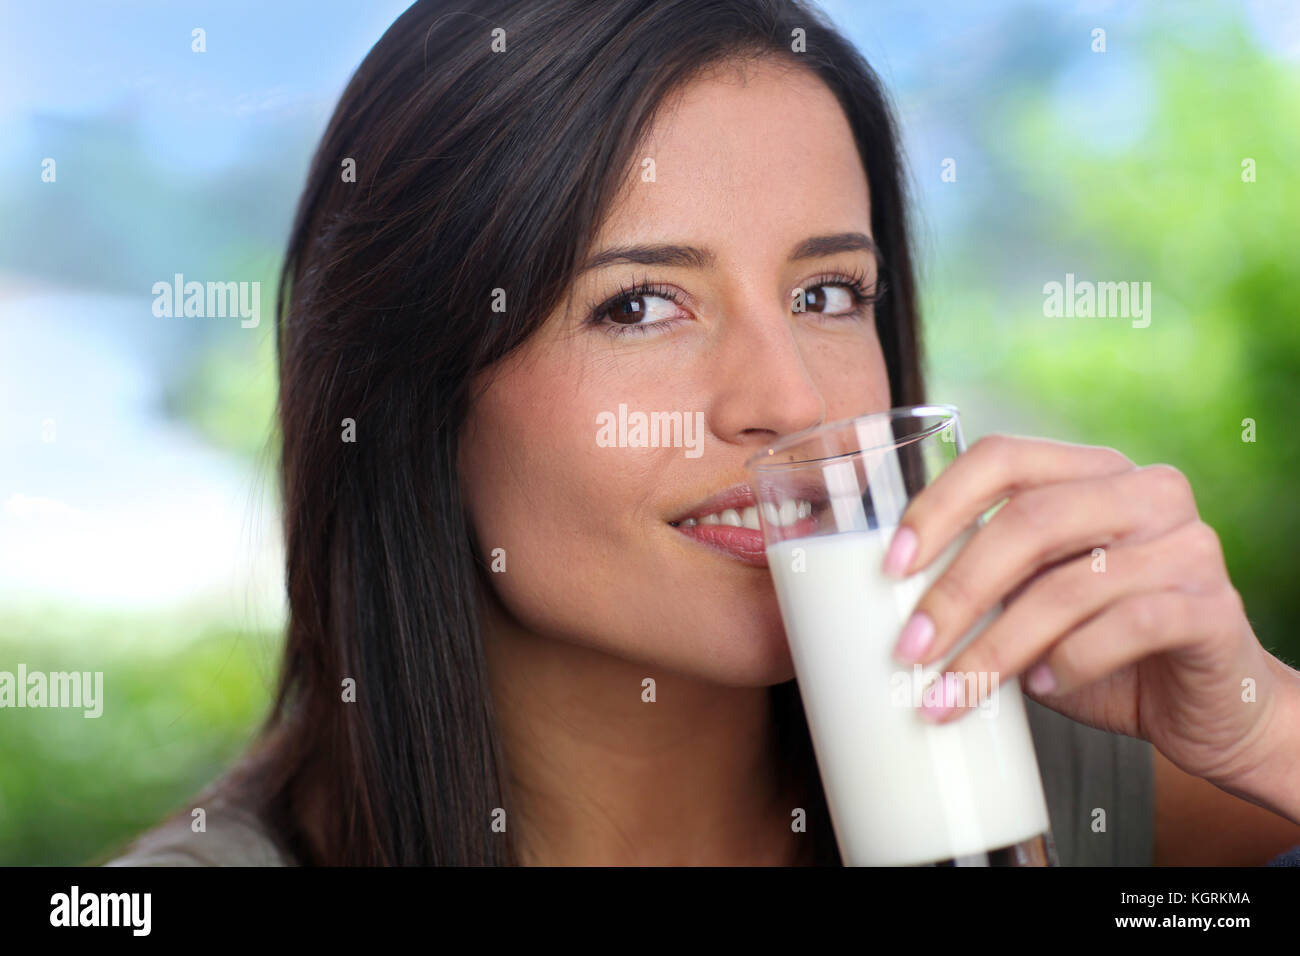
(784, 515)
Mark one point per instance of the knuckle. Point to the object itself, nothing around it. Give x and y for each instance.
(1117, 458)
(1170, 483)
(997, 447)
(1230, 604)
(1203, 542)
(992, 443)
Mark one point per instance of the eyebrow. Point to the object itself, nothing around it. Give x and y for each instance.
(693, 257)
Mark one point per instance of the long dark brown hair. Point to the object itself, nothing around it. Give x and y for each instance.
(482, 160)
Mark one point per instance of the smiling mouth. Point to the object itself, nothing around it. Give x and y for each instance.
(737, 533)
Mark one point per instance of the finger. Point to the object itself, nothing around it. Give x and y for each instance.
(1131, 630)
(1128, 631)
(1037, 527)
(1189, 558)
(992, 468)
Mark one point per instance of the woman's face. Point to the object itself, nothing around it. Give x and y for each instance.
(747, 170)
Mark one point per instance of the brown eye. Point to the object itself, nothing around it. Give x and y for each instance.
(830, 299)
(630, 310)
(637, 309)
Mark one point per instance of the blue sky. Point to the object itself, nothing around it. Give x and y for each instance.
(269, 61)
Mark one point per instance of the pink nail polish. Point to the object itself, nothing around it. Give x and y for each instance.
(915, 639)
(1040, 680)
(901, 552)
(947, 701)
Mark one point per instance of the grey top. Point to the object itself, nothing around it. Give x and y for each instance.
(233, 836)
(1083, 770)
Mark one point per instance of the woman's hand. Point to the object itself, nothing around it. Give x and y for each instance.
(1147, 637)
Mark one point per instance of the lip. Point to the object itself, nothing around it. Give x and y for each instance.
(741, 496)
(744, 544)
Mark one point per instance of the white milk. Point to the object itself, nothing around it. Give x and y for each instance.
(900, 790)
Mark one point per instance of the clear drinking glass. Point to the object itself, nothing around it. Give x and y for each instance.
(901, 791)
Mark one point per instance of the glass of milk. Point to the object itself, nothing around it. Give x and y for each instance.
(901, 791)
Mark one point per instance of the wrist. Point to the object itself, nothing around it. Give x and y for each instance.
(1274, 781)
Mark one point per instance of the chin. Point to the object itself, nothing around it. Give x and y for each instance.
(748, 653)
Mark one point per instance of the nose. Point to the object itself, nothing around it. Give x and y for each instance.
(764, 388)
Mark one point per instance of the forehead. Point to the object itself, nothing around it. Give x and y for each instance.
(744, 157)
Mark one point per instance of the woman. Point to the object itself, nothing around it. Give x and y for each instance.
(560, 207)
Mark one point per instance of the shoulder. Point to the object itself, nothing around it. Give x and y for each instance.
(1084, 771)
(232, 835)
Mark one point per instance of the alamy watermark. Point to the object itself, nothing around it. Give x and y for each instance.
(210, 300)
(54, 689)
(75, 908)
(957, 689)
(1086, 300)
(651, 430)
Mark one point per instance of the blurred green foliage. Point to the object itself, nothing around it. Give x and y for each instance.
(181, 701)
(1220, 253)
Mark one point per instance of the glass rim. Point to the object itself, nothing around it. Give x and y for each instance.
(759, 460)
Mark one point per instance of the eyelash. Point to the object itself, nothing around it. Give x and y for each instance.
(863, 295)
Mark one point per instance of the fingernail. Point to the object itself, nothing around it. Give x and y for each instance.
(901, 552)
(1041, 680)
(936, 710)
(915, 639)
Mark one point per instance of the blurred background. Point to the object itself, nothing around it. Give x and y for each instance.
(138, 514)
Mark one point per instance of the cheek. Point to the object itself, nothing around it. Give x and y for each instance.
(852, 376)
(561, 508)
